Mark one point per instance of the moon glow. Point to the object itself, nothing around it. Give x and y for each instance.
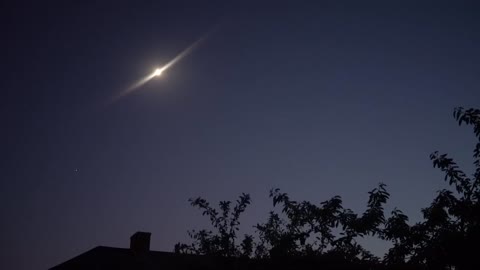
(160, 71)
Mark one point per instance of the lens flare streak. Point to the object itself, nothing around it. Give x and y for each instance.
(159, 71)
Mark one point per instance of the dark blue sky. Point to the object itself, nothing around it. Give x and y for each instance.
(318, 99)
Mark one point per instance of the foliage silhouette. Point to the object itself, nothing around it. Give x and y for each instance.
(226, 222)
(447, 237)
(450, 232)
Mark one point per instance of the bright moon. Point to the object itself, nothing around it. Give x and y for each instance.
(158, 72)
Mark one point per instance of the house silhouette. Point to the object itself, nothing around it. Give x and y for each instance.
(140, 257)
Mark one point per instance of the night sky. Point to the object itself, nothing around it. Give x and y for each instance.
(317, 99)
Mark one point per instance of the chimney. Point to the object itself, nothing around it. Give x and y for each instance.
(140, 242)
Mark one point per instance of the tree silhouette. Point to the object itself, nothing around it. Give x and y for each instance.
(450, 233)
(447, 237)
(301, 229)
(226, 222)
(307, 229)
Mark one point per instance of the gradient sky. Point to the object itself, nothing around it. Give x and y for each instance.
(317, 99)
